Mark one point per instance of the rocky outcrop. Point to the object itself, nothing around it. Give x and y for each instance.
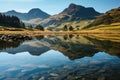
(13, 37)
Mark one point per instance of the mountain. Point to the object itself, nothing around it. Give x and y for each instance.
(72, 13)
(32, 14)
(110, 17)
(37, 13)
(80, 12)
(33, 21)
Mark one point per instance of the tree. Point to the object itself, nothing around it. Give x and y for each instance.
(77, 27)
(22, 24)
(10, 21)
(65, 28)
(30, 27)
(71, 28)
(39, 27)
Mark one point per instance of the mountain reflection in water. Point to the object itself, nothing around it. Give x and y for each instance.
(67, 57)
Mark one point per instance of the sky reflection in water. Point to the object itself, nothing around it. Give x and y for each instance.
(55, 65)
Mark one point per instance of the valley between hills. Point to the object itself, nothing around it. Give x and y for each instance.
(75, 19)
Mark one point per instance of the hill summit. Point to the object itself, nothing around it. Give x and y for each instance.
(72, 13)
(80, 12)
(111, 16)
(32, 14)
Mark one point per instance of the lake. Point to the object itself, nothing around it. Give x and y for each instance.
(61, 57)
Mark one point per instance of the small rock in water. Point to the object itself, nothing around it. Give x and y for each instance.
(54, 74)
(10, 40)
(42, 78)
(13, 37)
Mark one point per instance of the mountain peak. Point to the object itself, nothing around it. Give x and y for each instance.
(37, 13)
(111, 16)
(32, 14)
(12, 11)
(34, 10)
(80, 11)
(72, 6)
(72, 13)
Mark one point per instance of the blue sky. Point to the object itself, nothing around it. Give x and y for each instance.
(56, 6)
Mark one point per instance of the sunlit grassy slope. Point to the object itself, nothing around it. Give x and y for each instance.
(112, 28)
(81, 25)
(107, 37)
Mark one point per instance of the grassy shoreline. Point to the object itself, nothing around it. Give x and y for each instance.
(113, 28)
(34, 33)
(101, 35)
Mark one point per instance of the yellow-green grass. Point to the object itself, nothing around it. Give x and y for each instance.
(81, 25)
(109, 37)
(112, 28)
(102, 29)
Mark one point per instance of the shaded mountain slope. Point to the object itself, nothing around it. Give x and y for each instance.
(32, 14)
(72, 13)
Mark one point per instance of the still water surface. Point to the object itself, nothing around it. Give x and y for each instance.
(66, 57)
